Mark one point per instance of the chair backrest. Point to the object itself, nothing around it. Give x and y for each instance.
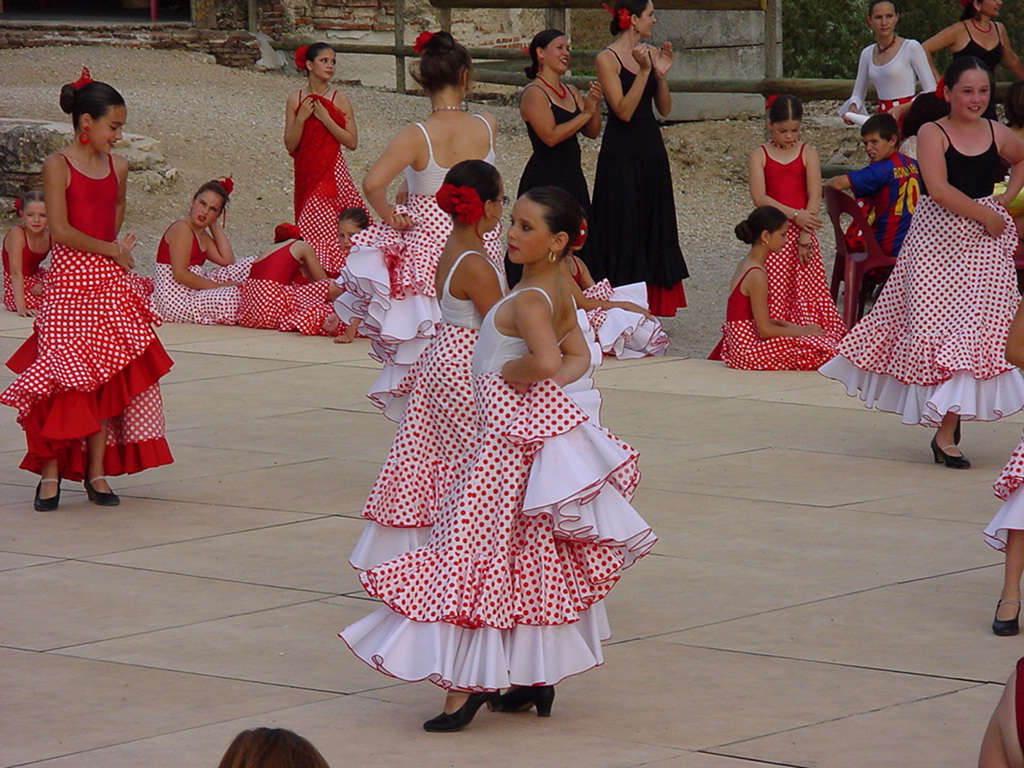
(839, 203)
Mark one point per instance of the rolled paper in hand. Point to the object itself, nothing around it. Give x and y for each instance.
(856, 118)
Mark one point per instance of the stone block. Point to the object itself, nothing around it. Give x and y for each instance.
(24, 144)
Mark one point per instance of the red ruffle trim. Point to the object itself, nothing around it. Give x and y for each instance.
(24, 355)
(118, 459)
(716, 353)
(664, 302)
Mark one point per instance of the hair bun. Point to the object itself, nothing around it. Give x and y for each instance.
(68, 92)
(744, 232)
(531, 71)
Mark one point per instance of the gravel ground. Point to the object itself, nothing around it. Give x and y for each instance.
(212, 121)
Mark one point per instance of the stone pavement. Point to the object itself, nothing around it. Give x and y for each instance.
(820, 595)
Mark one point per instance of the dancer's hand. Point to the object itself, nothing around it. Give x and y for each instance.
(36, 290)
(813, 329)
(642, 56)
(994, 223)
(807, 220)
(27, 313)
(400, 222)
(305, 109)
(664, 58)
(592, 102)
(124, 252)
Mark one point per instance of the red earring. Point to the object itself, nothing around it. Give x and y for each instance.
(83, 137)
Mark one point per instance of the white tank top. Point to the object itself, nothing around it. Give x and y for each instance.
(463, 312)
(493, 349)
(430, 179)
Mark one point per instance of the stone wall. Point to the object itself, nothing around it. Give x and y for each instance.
(230, 48)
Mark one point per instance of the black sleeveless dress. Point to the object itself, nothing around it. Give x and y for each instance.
(989, 57)
(557, 166)
(633, 235)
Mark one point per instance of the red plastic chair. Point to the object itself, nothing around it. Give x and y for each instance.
(850, 268)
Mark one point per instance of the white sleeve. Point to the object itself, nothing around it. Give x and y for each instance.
(919, 61)
(860, 87)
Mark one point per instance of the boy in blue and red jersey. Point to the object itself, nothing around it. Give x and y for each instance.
(890, 185)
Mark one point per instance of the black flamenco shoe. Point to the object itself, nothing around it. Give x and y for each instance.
(50, 504)
(99, 497)
(463, 716)
(953, 462)
(525, 696)
(1006, 627)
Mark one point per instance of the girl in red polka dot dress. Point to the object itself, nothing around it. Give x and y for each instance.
(287, 289)
(437, 434)
(24, 248)
(751, 338)
(183, 292)
(931, 349)
(318, 122)
(389, 277)
(508, 590)
(88, 396)
(786, 174)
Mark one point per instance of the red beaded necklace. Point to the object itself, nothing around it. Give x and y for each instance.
(983, 31)
(562, 95)
(882, 50)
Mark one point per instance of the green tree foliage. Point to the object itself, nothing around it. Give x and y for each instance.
(825, 39)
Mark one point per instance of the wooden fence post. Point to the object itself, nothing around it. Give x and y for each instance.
(399, 44)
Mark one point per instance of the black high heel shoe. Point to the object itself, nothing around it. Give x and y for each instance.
(50, 504)
(99, 497)
(1006, 627)
(463, 716)
(953, 462)
(525, 696)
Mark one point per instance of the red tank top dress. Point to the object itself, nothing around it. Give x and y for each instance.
(195, 259)
(31, 274)
(30, 260)
(786, 182)
(93, 356)
(278, 267)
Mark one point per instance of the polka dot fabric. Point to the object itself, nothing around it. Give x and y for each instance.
(627, 335)
(798, 293)
(389, 284)
(318, 219)
(176, 303)
(94, 355)
(31, 300)
(496, 556)
(1012, 476)
(436, 437)
(743, 348)
(947, 305)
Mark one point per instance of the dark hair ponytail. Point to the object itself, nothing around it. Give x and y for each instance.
(94, 99)
(962, 64)
(767, 218)
(540, 41)
(970, 12)
(442, 63)
(562, 212)
(217, 188)
(786, 107)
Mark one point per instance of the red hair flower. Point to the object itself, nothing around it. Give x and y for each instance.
(300, 57)
(17, 206)
(228, 183)
(582, 237)
(940, 89)
(84, 80)
(286, 231)
(463, 203)
(623, 15)
(421, 41)
(965, 3)
(769, 100)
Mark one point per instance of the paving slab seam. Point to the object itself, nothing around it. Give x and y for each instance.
(751, 760)
(805, 603)
(216, 377)
(321, 593)
(132, 494)
(841, 718)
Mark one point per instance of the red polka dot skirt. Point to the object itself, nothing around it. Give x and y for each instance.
(93, 356)
(934, 341)
(525, 546)
(269, 305)
(318, 219)
(32, 301)
(798, 293)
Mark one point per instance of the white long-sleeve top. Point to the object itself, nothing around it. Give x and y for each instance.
(894, 79)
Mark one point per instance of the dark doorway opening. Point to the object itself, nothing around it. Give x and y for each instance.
(93, 11)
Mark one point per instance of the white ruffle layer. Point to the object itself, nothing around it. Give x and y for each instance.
(483, 659)
(973, 399)
(630, 335)
(1010, 517)
(380, 543)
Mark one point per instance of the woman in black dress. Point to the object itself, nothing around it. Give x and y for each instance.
(554, 113)
(633, 234)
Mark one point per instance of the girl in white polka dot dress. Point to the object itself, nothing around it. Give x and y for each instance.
(318, 122)
(184, 293)
(434, 400)
(88, 395)
(389, 277)
(931, 349)
(509, 588)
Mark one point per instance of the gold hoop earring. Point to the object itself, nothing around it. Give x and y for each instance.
(552, 257)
